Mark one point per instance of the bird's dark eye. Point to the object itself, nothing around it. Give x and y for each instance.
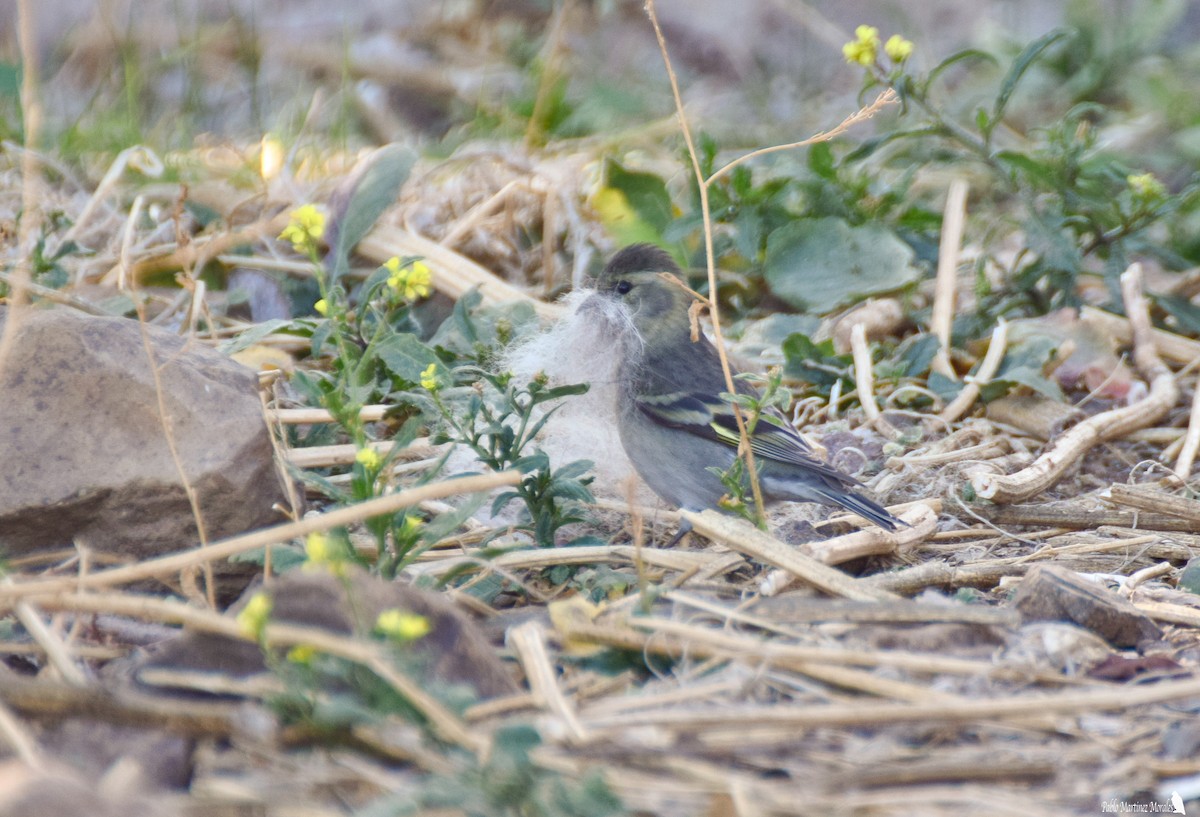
(623, 287)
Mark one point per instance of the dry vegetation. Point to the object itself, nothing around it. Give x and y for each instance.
(1028, 646)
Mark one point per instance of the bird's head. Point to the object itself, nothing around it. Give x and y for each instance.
(637, 280)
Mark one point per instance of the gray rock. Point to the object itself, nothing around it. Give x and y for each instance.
(83, 453)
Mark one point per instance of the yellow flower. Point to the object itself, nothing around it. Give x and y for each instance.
(321, 307)
(323, 553)
(1146, 186)
(429, 380)
(864, 49)
(368, 458)
(302, 654)
(898, 48)
(411, 281)
(305, 227)
(402, 626)
(253, 617)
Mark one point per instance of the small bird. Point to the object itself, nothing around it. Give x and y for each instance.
(673, 422)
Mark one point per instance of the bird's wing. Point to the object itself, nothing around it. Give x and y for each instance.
(712, 418)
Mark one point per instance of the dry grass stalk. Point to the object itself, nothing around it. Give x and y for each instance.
(171, 565)
(749, 540)
(1052, 465)
(528, 640)
(19, 740)
(678, 639)
(874, 714)
(946, 282)
(453, 274)
(1170, 613)
(1149, 499)
(966, 398)
(540, 559)
(1082, 518)
(56, 651)
(864, 382)
(1173, 347)
(1191, 441)
(838, 550)
(311, 416)
(53, 699)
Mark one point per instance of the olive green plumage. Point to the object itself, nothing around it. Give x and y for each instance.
(673, 421)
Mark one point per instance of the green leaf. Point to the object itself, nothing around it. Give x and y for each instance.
(1048, 236)
(574, 469)
(1035, 170)
(321, 333)
(283, 557)
(982, 123)
(869, 146)
(944, 387)
(634, 206)
(447, 523)
(820, 161)
(405, 356)
(953, 59)
(501, 501)
(917, 353)
(533, 462)
(363, 199)
(1025, 365)
(1189, 579)
(814, 363)
(1021, 65)
(821, 264)
(561, 391)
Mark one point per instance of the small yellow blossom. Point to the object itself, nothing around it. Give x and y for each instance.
(302, 654)
(402, 626)
(410, 530)
(253, 617)
(305, 227)
(1146, 186)
(410, 281)
(368, 458)
(429, 379)
(864, 49)
(898, 48)
(323, 554)
(321, 307)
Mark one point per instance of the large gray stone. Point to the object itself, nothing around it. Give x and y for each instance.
(83, 451)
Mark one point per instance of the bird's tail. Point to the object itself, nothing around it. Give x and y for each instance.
(864, 507)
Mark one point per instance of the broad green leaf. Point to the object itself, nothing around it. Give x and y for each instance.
(1025, 365)
(917, 353)
(943, 386)
(405, 356)
(634, 206)
(821, 264)
(814, 363)
(821, 162)
(363, 199)
(574, 469)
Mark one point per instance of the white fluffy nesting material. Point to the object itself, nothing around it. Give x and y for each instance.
(585, 346)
